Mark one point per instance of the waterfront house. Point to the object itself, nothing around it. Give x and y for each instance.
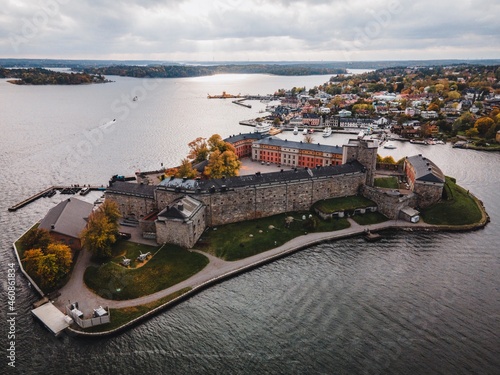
(66, 221)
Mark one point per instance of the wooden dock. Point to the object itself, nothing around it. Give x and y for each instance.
(73, 189)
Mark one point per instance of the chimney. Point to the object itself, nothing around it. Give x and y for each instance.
(180, 206)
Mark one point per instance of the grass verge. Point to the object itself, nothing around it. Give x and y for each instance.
(168, 266)
(369, 218)
(457, 208)
(387, 182)
(244, 239)
(120, 317)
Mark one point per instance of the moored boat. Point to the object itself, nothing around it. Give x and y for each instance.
(296, 130)
(327, 132)
(263, 127)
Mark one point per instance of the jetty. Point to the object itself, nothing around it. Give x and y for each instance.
(240, 102)
(51, 191)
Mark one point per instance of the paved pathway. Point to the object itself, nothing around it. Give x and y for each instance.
(75, 289)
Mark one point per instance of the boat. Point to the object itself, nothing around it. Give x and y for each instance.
(85, 191)
(295, 130)
(390, 146)
(263, 127)
(311, 131)
(327, 132)
(304, 131)
(418, 142)
(224, 95)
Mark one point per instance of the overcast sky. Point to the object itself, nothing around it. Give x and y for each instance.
(206, 30)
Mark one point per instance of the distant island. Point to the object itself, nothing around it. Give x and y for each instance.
(40, 76)
(178, 71)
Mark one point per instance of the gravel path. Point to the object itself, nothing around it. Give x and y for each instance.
(75, 289)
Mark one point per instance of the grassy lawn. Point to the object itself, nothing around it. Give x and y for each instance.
(387, 182)
(241, 240)
(458, 208)
(343, 204)
(168, 266)
(120, 317)
(369, 218)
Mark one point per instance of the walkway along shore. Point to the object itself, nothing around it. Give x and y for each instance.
(218, 270)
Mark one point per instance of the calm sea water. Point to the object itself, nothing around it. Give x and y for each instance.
(413, 303)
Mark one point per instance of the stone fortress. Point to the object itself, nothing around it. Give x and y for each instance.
(179, 210)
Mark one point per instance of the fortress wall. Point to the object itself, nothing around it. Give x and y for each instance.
(428, 193)
(130, 205)
(267, 200)
(389, 205)
(262, 201)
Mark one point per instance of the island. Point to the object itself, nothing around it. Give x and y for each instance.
(235, 203)
(41, 76)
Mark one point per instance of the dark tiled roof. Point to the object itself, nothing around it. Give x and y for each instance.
(289, 175)
(301, 145)
(240, 137)
(425, 170)
(68, 217)
(131, 188)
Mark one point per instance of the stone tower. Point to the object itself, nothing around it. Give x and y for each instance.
(365, 152)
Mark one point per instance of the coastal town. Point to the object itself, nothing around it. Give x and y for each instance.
(426, 105)
(291, 193)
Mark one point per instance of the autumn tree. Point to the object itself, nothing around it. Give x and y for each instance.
(49, 265)
(186, 170)
(198, 150)
(471, 133)
(222, 164)
(483, 124)
(101, 231)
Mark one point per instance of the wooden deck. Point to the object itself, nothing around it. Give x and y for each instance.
(61, 188)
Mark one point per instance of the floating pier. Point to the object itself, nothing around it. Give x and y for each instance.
(49, 192)
(53, 319)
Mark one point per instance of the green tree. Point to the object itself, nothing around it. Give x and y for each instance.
(36, 238)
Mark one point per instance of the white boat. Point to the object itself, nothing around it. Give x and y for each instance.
(390, 146)
(327, 132)
(263, 127)
(296, 130)
(304, 131)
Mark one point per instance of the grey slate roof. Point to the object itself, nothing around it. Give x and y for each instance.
(239, 137)
(183, 208)
(132, 188)
(68, 217)
(425, 169)
(301, 145)
(286, 176)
